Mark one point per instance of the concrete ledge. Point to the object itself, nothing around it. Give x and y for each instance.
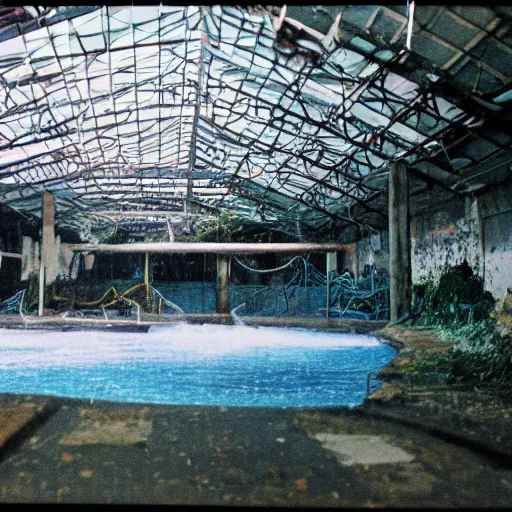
(395, 402)
(340, 324)
(437, 427)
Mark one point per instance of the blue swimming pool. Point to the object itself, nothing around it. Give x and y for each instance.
(194, 364)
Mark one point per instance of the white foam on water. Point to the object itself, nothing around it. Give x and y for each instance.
(182, 341)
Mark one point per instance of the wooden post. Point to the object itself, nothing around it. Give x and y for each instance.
(48, 235)
(331, 263)
(223, 270)
(40, 308)
(146, 282)
(48, 266)
(399, 242)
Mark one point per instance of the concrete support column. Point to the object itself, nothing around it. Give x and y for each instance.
(50, 244)
(223, 271)
(49, 261)
(399, 242)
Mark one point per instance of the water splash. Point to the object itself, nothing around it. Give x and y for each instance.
(193, 364)
(236, 318)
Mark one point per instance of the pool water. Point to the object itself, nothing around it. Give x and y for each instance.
(194, 365)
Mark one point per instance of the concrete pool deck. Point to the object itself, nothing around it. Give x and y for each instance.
(75, 451)
(393, 451)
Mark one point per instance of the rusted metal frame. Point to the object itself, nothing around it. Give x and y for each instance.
(71, 131)
(112, 95)
(310, 161)
(29, 26)
(425, 177)
(136, 91)
(160, 92)
(488, 32)
(28, 159)
(118, 49)
(439, 162)
(296, 97)
(287, 195)
(302, 201)
(396, 66)
(305, 187)
(90, 98)
(304, 74)
(197, 109)
(313, 201)
(414, 105)
(318, 164)
(31, 106)
(431, 138)
(227, 21)
(318, 125)
(183, 82)
(484, 171)
(31, 111)
(328, 186)
(239, 91)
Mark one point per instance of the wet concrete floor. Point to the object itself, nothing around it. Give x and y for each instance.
(72, 451)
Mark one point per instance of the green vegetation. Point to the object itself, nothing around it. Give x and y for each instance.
(224, 228)
(120, 236)
(455, 299)
(228, 227)
(457, 305)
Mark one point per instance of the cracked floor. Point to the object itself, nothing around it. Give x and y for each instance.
(125, 453)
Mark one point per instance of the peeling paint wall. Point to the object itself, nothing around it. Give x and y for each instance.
(30, 262)
(447, 234)
(372, 250)
(498, 254)
(347, 260)
(62, 264)
(496, 215)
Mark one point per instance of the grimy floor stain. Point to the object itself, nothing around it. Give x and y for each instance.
(125, 453)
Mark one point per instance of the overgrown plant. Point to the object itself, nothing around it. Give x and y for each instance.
(457, 304)
(223, 228)
(456, 298)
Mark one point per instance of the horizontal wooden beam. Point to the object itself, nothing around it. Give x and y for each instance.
(10, 255)
(207, 247)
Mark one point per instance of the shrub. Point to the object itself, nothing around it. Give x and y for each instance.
(455, 299)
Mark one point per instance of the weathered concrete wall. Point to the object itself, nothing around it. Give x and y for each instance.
(446, 234)
(372, 250)
(30, 262)
(347, 259)
(496, 219)
(31, 258)
(478, 230)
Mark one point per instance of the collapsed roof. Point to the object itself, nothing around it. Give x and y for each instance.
(288, 116)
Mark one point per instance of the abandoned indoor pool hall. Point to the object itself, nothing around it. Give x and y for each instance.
(256, 256)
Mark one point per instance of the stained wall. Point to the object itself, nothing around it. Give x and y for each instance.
(446, 230)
